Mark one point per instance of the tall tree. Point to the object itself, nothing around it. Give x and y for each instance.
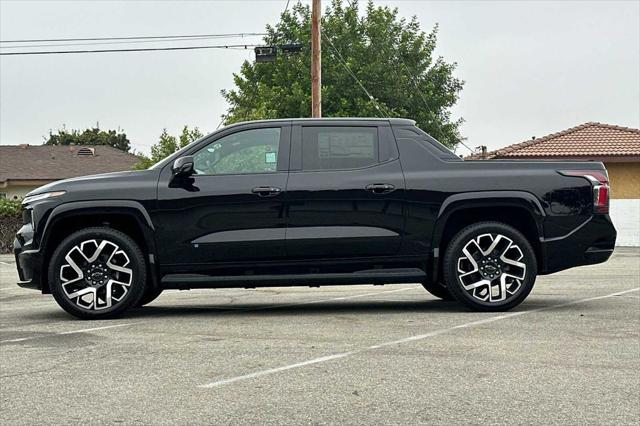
(167, 145)
(374, 64)
(93, 136)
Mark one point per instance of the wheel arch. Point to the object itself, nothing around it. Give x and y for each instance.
(519, 209)
(127, 216)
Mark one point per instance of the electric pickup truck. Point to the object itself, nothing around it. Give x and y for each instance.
(312, 202)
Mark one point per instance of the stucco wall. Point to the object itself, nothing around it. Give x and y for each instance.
(625, 180)
(17, 190)
(626, 218)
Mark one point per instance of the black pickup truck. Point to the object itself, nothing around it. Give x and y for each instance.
(313, 202)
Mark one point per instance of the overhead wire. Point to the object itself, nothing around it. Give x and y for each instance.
(147, 49)
(223, 35)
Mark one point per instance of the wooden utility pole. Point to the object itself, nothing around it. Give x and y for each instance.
(316, 60)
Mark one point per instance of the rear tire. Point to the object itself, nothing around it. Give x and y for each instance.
(490, 266)
(97, 273)
(438, 290)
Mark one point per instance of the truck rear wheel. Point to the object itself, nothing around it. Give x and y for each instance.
(490, 266)
(438, 290)
(97, 273)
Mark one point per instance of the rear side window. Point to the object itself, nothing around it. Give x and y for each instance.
(339, 148)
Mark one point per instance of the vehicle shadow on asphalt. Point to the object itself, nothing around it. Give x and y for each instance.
(337, 307)
(316, 308)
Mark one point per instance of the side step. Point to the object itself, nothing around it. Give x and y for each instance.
(369, 276)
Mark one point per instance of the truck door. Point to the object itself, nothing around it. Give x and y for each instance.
(345, 191)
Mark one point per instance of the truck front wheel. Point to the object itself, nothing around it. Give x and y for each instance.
(97, 273)
(490, 266)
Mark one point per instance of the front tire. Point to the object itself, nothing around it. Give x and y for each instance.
(97, 273)
(150, 294)
(490, 266)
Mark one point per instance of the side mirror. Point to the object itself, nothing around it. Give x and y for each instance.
(183, 166)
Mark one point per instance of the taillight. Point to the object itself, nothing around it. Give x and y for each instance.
(600, 183)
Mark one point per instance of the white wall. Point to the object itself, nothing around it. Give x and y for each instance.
(626, 218)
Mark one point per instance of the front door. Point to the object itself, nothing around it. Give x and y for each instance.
(232, 208)
(345, 192)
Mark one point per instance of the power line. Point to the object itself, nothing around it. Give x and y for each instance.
(149, 49)
(106, 42)
(226, 35)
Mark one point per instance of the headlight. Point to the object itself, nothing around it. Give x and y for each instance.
(37, 197)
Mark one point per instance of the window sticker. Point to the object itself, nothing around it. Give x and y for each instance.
(270, 157)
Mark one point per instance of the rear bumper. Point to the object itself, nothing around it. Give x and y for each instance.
(590, 243)
(28, 260)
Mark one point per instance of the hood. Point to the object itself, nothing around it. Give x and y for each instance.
(99, 180)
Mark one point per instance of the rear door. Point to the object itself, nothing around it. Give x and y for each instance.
(345, 191)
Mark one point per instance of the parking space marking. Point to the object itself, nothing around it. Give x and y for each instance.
(84, 330)
(406, 340)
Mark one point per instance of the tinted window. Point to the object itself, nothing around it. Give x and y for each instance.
(338, 148)
(248, 151)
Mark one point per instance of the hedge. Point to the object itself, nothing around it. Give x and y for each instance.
(10, 222)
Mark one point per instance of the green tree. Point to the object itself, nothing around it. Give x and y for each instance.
(167, 145)
(93, 136)
(391, 57)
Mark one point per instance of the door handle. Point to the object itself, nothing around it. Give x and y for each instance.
(266, 191)
(380, 188)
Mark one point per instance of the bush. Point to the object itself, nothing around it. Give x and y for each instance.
(10, 207)
(10, 222)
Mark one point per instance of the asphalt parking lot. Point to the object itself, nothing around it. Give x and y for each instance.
(351, 355)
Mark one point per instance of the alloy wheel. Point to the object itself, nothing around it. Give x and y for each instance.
(491, 268)
(95, 274)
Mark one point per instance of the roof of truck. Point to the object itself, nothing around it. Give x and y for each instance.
(397, 121)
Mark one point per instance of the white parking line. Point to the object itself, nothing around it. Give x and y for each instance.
(84, 330)
(404, 340)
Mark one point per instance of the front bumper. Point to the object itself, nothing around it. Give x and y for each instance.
(590, 243)
(28, 260)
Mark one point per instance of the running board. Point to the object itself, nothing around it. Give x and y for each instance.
(369, 276)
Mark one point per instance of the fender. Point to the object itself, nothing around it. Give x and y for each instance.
(125, 207)
(468, 200)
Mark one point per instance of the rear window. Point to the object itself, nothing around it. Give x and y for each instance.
(339, 148)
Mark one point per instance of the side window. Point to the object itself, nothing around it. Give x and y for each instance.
(338, 148)
(248, 151)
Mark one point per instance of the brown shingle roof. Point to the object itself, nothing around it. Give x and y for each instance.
(53, 162)
(595, 140)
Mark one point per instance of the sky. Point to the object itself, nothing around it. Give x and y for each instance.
(531, 67)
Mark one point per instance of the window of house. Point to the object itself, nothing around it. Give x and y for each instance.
(248, 151)
(339, 148)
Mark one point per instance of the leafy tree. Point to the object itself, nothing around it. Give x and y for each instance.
(390, 56)
(167, 145)
(93, 136)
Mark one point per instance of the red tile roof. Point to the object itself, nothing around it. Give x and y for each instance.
(54, 162)
(588, 140)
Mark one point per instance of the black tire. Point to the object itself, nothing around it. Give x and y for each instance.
(438, 290)
(150, 294)
(490, 267)
(132, 270)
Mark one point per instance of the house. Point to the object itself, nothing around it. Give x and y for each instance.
(617, 147)
(26, 167)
